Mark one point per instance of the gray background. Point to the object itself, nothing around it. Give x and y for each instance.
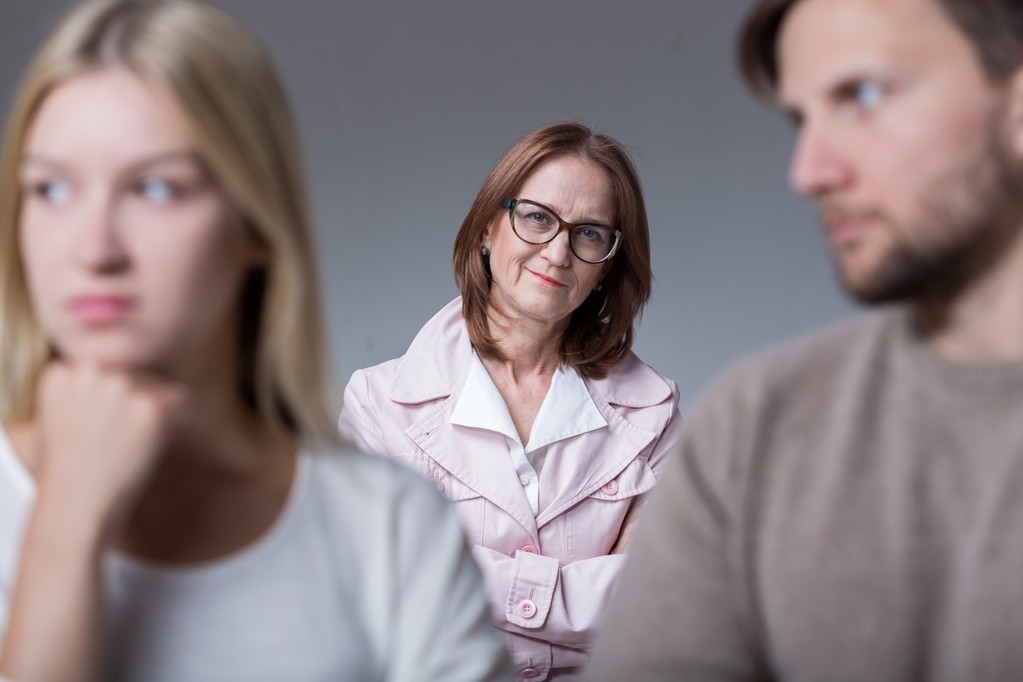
(404, 108)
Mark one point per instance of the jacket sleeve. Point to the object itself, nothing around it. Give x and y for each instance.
(684, 607)
(658, 459)
(533, 595)
(358, 422)
(537, 596)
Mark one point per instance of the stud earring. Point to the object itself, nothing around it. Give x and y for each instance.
(484, 251)
(600, 286)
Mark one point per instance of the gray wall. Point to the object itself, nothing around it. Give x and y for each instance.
(404, 108)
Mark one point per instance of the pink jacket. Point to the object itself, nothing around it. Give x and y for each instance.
(550, 575)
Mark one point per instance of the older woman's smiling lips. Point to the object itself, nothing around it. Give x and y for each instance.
(546, 280)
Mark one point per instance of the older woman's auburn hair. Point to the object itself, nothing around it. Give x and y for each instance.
(601, 330)
(227, 89)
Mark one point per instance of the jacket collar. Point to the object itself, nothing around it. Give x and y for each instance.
(631, 383)
(436, 366)
(423, 374)
(437, 361)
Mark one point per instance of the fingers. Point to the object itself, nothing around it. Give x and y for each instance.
(102, 432)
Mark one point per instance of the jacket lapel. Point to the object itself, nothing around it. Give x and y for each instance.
(580, 466)
(434, 368)
(477, 458)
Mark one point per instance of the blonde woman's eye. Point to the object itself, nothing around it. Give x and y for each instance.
(54, 192)
(157, 191)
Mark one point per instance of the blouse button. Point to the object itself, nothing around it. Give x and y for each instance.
(530, 549)
(527, 609)
(529, 673)
(610, 488)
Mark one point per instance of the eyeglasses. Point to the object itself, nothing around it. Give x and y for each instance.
(537, 224)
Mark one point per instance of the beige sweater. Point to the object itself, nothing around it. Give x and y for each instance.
(846, 507)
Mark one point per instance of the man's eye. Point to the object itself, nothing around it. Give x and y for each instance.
(869, 94)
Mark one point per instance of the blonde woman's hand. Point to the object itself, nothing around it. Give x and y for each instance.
(101, 433)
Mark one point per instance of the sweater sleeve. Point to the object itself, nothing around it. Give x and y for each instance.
(681, 610)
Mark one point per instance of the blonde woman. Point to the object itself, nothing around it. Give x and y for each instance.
(173, 502)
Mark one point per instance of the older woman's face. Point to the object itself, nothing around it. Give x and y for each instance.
(133, 255)
(545, 282)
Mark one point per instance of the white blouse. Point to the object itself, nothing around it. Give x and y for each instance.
(567, 410)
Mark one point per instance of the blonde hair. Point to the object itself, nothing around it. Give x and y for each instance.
(227, 89)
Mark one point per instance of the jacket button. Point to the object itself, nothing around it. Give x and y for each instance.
(610, 488)
(531, 549)
(527, 609)
(529, 673)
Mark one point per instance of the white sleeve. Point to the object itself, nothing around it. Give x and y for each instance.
(8, 565)
(444, 630)
(4, 606)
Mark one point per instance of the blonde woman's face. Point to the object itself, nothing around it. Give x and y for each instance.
(133, 255)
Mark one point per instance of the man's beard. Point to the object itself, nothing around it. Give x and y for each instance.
(968, 219)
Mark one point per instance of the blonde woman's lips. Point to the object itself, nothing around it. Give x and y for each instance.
(101, 310)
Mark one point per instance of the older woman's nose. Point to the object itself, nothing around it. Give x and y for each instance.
(558, 251)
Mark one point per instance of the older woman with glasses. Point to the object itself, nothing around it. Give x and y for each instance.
(522, 400)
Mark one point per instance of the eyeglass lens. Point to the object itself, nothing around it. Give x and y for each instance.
(537, 225)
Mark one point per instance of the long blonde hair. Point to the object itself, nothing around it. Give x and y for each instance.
(228, 91)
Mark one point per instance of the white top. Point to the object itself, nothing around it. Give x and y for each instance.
(364, 576)
(567, 410)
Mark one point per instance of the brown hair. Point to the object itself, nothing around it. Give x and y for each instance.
(601, 330)
(228, 91)
(993, 27)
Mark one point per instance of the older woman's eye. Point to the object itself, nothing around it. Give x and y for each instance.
(533, 217)
(592, 234)
(539, 218)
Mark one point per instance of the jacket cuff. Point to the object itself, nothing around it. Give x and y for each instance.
(533, 580)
